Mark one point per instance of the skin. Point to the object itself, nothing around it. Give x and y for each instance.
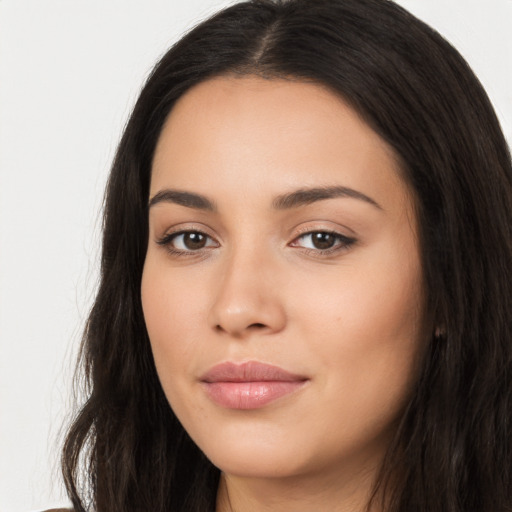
(349, 320)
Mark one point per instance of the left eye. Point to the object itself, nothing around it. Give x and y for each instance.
(322, 240)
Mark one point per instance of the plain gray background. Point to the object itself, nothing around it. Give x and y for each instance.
(69, 74)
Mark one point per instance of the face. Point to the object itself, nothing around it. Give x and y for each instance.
(282, 287)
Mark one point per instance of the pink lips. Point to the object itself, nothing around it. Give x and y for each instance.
(249, 385)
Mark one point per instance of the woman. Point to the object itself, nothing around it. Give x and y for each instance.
(305, 276)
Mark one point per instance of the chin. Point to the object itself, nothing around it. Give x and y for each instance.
(256, 455)
(257, 464)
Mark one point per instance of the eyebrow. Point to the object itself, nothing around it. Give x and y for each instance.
(306, 196)
(188, 199)
(301, 197)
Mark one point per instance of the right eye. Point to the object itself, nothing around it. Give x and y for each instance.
(187, 241)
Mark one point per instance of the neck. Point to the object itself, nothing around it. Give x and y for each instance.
(338, 493)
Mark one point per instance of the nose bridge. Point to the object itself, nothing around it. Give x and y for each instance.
(246, 298)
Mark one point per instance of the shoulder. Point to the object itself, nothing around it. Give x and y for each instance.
(59, 510)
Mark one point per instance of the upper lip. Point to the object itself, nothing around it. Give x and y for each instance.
(251, 371)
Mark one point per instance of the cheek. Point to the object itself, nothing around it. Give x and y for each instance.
(172, 309)
(373, 297)
(365, 328)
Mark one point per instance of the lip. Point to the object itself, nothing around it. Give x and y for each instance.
(249, 385)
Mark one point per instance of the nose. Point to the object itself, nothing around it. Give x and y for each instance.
(248, 298)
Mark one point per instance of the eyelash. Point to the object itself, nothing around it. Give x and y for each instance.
(342, 242)
(166, 241)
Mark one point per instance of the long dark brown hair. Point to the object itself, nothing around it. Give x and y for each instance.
(452, 452)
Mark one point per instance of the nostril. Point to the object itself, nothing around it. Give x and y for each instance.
(256, 326)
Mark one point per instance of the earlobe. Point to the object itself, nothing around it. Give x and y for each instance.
(440, 332)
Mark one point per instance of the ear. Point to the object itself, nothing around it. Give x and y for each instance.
(440, 332)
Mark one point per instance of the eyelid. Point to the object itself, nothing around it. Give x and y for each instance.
(173, 236)
(324, 226)
(343, 244)
(329, 232)
(174, 232)
(185, 227)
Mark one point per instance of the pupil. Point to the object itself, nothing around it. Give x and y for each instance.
(323, 240)
(194, 240)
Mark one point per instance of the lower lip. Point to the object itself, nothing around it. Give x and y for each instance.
(249, 395)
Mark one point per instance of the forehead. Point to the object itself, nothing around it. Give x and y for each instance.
(256, 134)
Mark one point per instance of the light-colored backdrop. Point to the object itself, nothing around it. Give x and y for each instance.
(69, 74)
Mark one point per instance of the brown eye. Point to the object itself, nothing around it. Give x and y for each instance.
(194, 240)
(187, 241)
(323, 240)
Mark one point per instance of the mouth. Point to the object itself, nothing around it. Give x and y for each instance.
(249, 385)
